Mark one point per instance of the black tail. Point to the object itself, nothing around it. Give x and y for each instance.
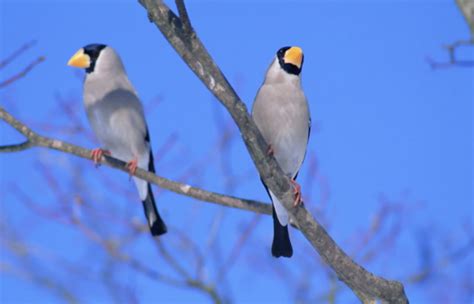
(281, 245)
(157, 226)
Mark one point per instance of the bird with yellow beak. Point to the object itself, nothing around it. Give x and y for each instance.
(281, 113)
(117, 119)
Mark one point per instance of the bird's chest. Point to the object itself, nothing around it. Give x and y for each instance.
(111, 125)
(289, 138)
(285, 126)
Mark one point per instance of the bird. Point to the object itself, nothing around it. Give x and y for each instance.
(118, 120)
(281, 114)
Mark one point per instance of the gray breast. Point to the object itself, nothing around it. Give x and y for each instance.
(281, 113)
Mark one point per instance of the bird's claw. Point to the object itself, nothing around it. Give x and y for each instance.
(132, 166)
(297, 193)
(97, 154)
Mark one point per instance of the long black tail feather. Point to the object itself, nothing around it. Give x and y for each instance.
(157, 226)
(281, 245)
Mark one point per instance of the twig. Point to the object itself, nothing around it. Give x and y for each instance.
(17, 53)
(453, 60)
(16, 147)
(23, 73)
(187, 44)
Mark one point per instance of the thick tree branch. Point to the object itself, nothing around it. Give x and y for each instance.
(36, 140)
(186, 43)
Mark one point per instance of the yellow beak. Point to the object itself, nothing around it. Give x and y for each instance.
(80, 60)
(294, 55)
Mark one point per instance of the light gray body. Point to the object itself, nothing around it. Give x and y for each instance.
(116, 114)
(281, 113)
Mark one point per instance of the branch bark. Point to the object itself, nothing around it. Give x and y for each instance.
(185, 41)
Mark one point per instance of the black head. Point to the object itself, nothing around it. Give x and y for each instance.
(86, 57)
(93, 51)
(291, 59)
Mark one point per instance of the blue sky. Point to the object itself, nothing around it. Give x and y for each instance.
(384, 121)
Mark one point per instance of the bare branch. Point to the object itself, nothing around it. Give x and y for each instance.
(366, 285)
(16, 147)
(17, 53)
(23, 73)
(453, 60)
(35, 140)
(183, 16)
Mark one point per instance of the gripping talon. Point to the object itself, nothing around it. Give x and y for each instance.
(297, 193)
(132, 166)
(97, 154)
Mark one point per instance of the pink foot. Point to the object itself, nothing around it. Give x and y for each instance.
(97, 154)
(132, 166)
(297, 192)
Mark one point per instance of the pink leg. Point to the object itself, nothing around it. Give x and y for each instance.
(297, 192)
(132, 166)
(97, 154)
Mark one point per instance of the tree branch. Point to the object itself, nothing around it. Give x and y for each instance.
(16, 53)
(36, 140)
(453, 60)
(16, 147)
(183, 16)
(187, 44)
(22, 73)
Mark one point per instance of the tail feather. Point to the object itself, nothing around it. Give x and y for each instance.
(157, 226)
(281, 245)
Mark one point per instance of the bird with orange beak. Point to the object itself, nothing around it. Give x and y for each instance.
(117, 119)
(281, 113)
